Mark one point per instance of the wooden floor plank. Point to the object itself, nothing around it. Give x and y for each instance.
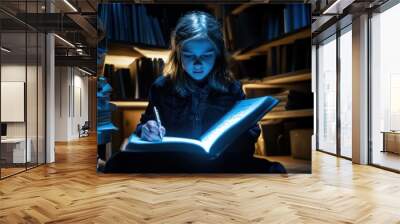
(71, 191)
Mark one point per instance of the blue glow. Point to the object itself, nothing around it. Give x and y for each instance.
(136, 139)
(218, 137)
(235, 115)
(198, 57)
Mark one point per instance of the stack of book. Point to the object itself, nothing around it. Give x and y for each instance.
(131, 23)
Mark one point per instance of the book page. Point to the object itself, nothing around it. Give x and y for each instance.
(137, 140)
(238, 112)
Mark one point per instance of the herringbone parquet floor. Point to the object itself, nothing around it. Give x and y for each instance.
(70, 191)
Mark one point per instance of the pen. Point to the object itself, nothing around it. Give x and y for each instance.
(158, 120)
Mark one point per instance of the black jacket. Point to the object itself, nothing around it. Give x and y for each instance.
(191, 116)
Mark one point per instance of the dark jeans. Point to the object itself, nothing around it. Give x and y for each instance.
(238, 158)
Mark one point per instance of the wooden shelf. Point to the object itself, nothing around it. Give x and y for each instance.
(289, 114)
(291, 164)
(130, 104)
(272, 81)
(113, 43)
(127, 48)
(236, 11)
(263, 47)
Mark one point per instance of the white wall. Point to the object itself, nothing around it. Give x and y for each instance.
(71, 94)
(33, 127)
(13, 73)
(10, 73)
(61, 103)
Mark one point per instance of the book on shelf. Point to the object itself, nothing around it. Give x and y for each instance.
(133, 71)
(289, 99)
(134, 24)
(158, 32)
(287, 20)
(140, 28)
(274, 24)
(305, 15)
(133, 83)
(121, 23)
(295, 17)
(242, 116)
(143, 72)
(293, 100)
(128, 27)
(131, 23)
(283, 66)
(262, 24)
(277, 60)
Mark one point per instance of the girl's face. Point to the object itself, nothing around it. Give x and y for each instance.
(198, 58)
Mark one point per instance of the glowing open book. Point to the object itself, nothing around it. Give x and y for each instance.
(243, 115)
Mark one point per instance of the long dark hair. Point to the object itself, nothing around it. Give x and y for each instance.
(198, 24)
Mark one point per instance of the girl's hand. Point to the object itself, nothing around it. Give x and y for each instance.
(151, 132)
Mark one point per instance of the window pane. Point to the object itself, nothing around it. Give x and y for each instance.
(31, 99)
(385, 84)
(41, 98)
(14, 153)
(327, 97)
(345, 94)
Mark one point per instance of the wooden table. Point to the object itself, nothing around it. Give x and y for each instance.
(391, 141)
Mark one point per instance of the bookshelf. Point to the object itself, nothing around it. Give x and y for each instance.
(281, 81)
(286, 74)
(288, 114)
(271, 81)
(263, 47)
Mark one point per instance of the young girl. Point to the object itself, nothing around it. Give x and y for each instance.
(195, 91)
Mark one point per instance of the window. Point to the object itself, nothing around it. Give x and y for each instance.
(385, 88)
(22, 101)
(345, 92)
(327, 95)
